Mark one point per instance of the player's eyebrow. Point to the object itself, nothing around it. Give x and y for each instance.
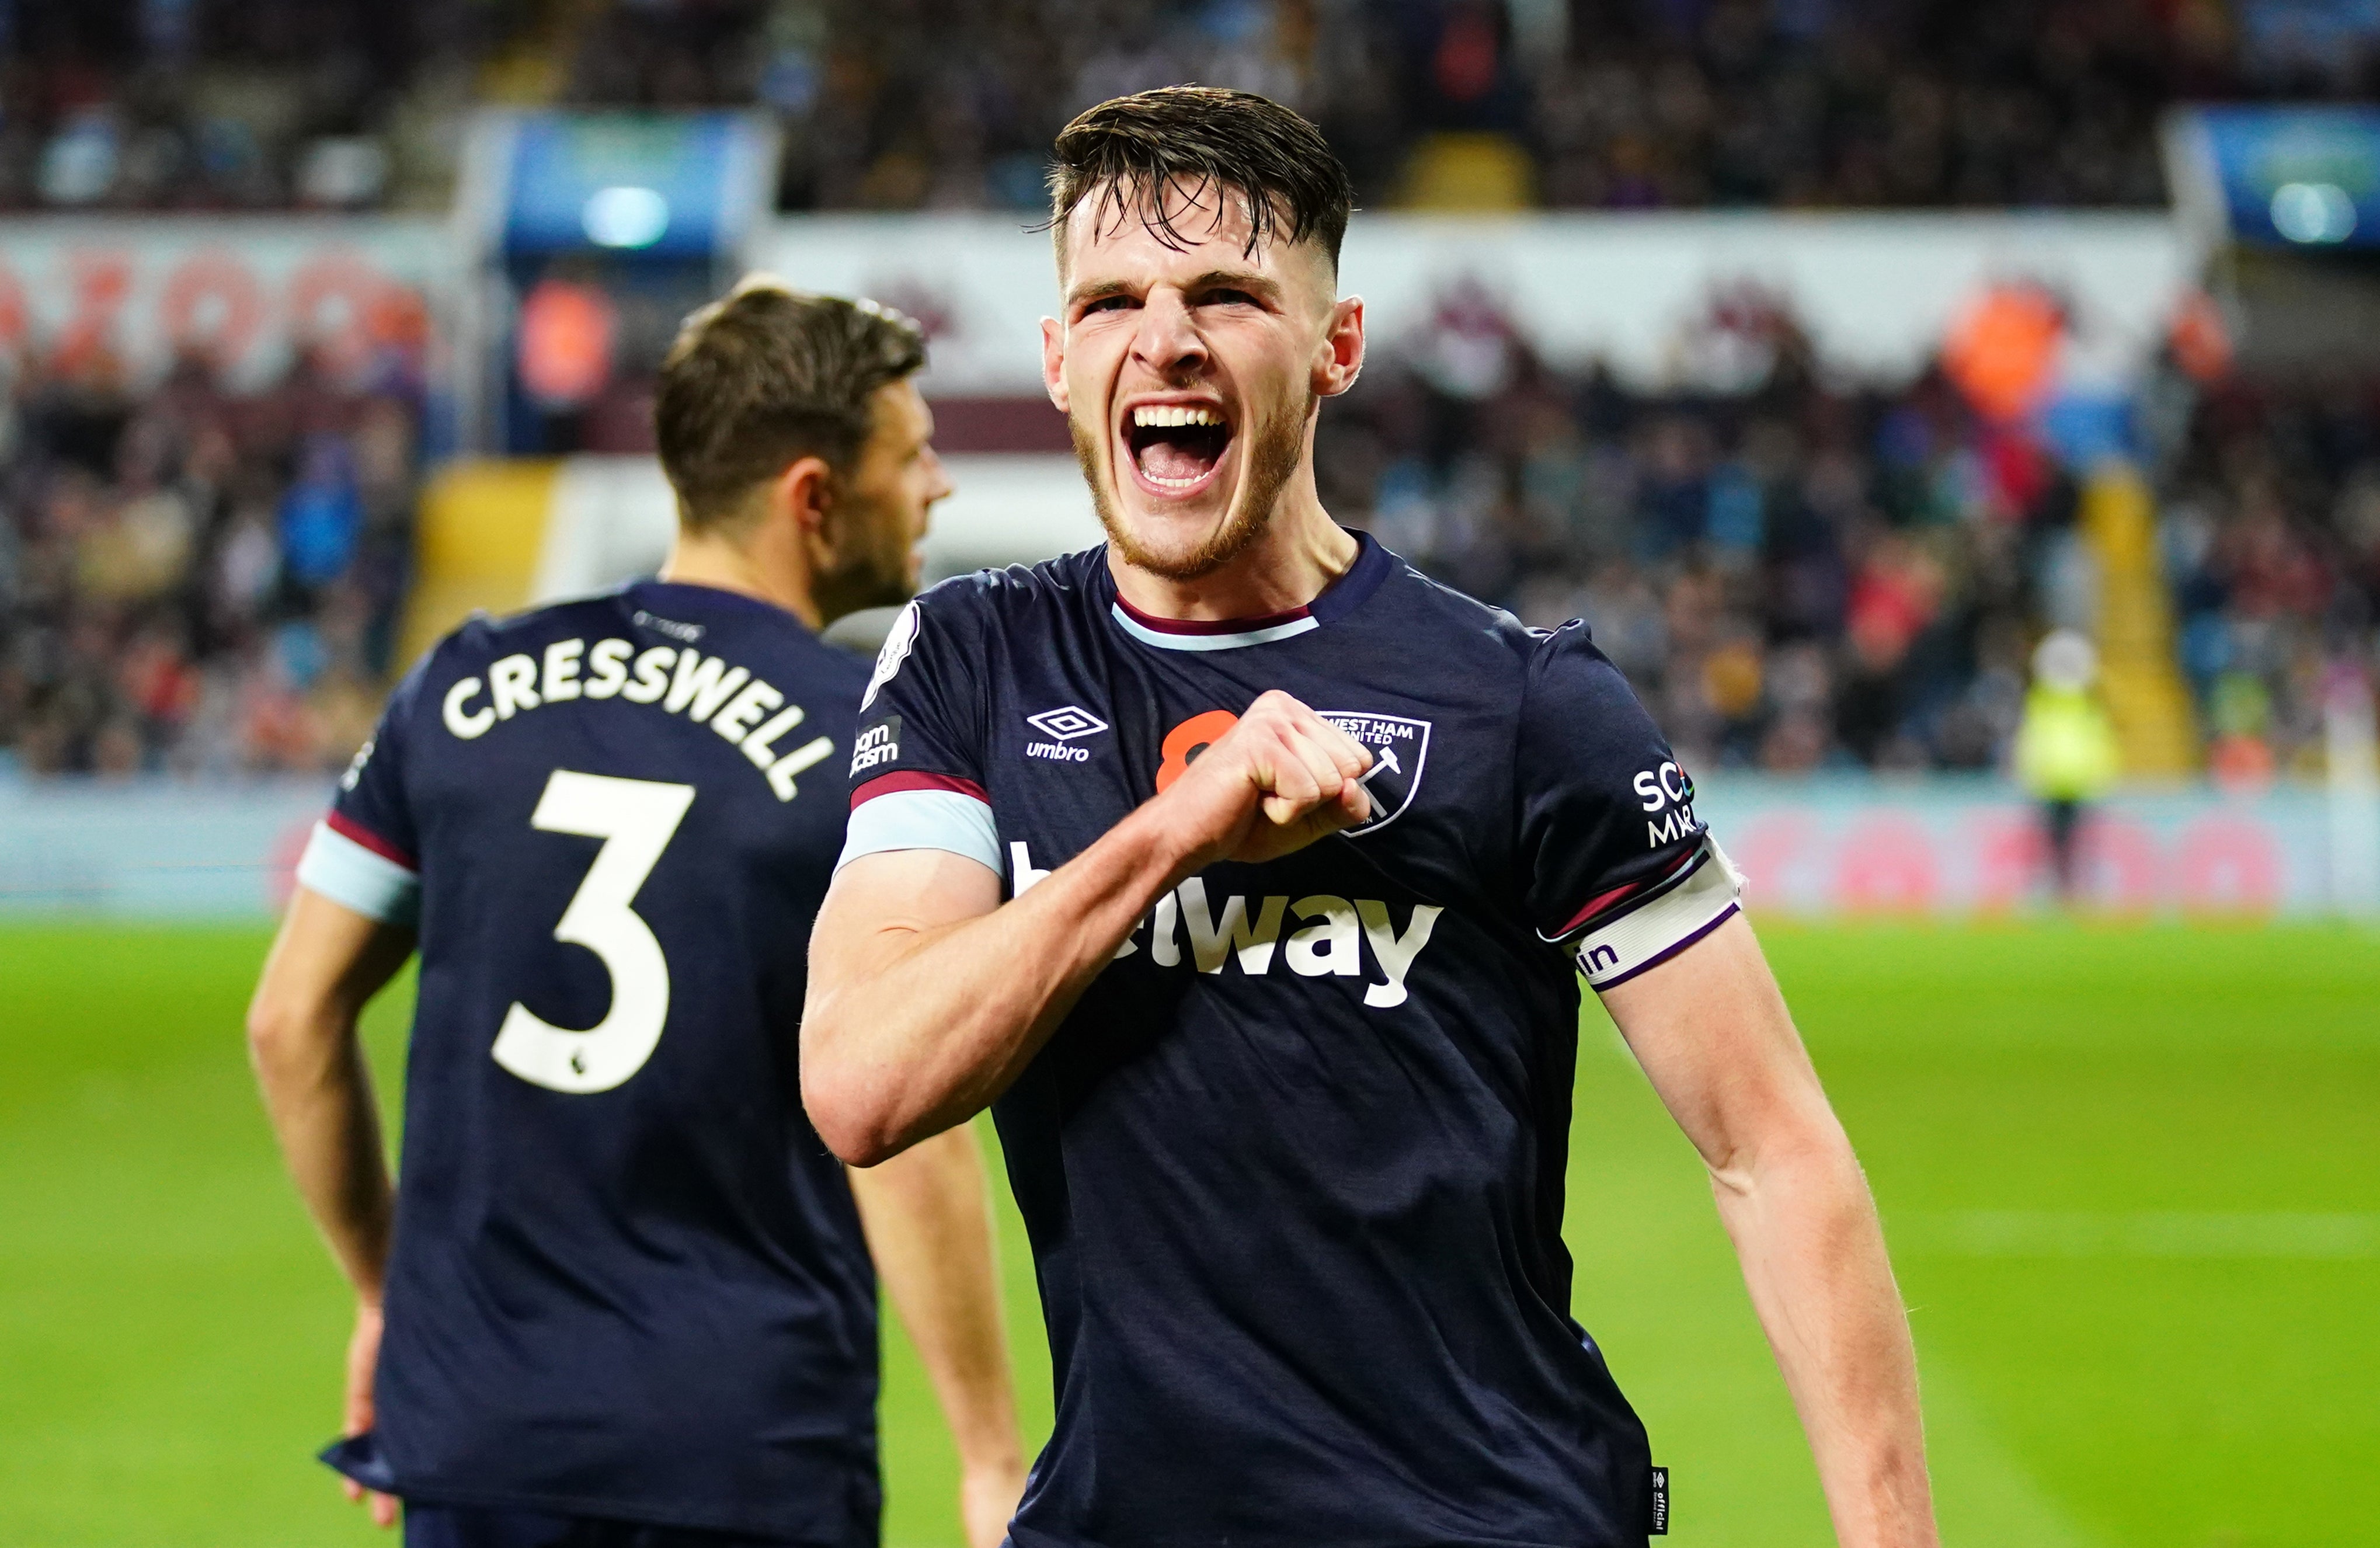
(1256, 285)
(1263, 288)
(1097, 290)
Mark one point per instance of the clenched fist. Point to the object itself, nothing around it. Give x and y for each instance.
(1272, 784)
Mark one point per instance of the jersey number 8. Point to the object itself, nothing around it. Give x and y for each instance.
(635, 819)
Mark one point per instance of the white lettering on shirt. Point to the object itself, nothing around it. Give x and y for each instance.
(1331, 946)
(703, 681)
(1246, 932)
(1394, 953)
(1211, 935)
(512, 683)
(477, 721)
(561, 670)
(608, 661)
(705, 690)
(652, 675)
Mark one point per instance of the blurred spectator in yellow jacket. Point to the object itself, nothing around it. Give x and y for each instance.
(2066, 754)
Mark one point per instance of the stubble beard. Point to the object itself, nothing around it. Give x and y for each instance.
(1275, 449)
(866, 575)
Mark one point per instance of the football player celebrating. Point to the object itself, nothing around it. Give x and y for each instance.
(1248, 874)
(627, 1295)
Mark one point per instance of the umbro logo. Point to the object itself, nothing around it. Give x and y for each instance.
(1067, 724)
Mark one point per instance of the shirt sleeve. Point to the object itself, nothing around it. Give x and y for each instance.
(364, 854)
(916, 764)
(1617, 866)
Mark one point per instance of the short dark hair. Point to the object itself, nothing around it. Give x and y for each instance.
(765, 376)
(1135, 148)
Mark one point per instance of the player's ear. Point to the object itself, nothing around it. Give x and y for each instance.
(802, 494)
(1053, 362)
(1340, 358)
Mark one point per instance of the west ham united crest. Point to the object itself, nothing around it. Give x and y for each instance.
(1400, 746)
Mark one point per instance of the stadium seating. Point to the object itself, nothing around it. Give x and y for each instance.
(1807, 575)
(196, 581)
(1802, 572)
(948, 103)
(1800, 576)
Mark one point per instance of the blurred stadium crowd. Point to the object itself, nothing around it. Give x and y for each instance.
(2271, 528)
(194, 581)
(1807, 573)
(1800, 572)
(906, 104)
(1798, 575)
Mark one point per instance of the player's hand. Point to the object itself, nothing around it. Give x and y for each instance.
(1273, 783)
(987, 1496)
(363, 1359)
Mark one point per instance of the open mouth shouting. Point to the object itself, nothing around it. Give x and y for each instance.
(1178, 449)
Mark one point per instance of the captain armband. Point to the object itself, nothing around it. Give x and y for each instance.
(1649, 929)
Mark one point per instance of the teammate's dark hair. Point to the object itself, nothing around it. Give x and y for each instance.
(1133, 149)
(765, 376)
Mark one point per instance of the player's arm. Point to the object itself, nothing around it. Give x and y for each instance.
(326, 963)
(928, 1213)
(1713, 1034)
(928, 995)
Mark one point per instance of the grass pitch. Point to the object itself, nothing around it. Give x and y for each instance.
(2132, 1178)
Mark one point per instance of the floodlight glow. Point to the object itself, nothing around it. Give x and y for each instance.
(627, 216)
(2312, 212)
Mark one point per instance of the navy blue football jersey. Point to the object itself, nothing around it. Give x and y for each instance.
(628, 1279)
(1293, 1169)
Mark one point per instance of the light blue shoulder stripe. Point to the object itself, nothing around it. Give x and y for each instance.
(353, 877)
(945, 820)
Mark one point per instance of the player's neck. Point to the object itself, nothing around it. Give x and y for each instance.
(750, 569)
(1300, 552)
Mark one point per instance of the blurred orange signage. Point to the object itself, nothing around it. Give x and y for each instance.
(243, 294)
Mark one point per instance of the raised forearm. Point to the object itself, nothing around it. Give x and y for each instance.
(922, 1011)
(906, 1037)
(1805, 1229)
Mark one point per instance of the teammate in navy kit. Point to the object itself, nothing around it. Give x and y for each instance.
(1247, 874)
(628, 1298)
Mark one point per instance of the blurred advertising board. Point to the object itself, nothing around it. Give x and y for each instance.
(1649, 294)
(1955, 847)
(153, 849)
(1947, 848)
(243, 292)
(1644, 293)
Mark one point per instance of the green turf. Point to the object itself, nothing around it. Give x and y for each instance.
(2132, 1177)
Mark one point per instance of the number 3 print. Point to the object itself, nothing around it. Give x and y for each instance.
(635, 819)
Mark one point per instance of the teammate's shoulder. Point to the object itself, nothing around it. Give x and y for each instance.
(474, 641)
(486, 633)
